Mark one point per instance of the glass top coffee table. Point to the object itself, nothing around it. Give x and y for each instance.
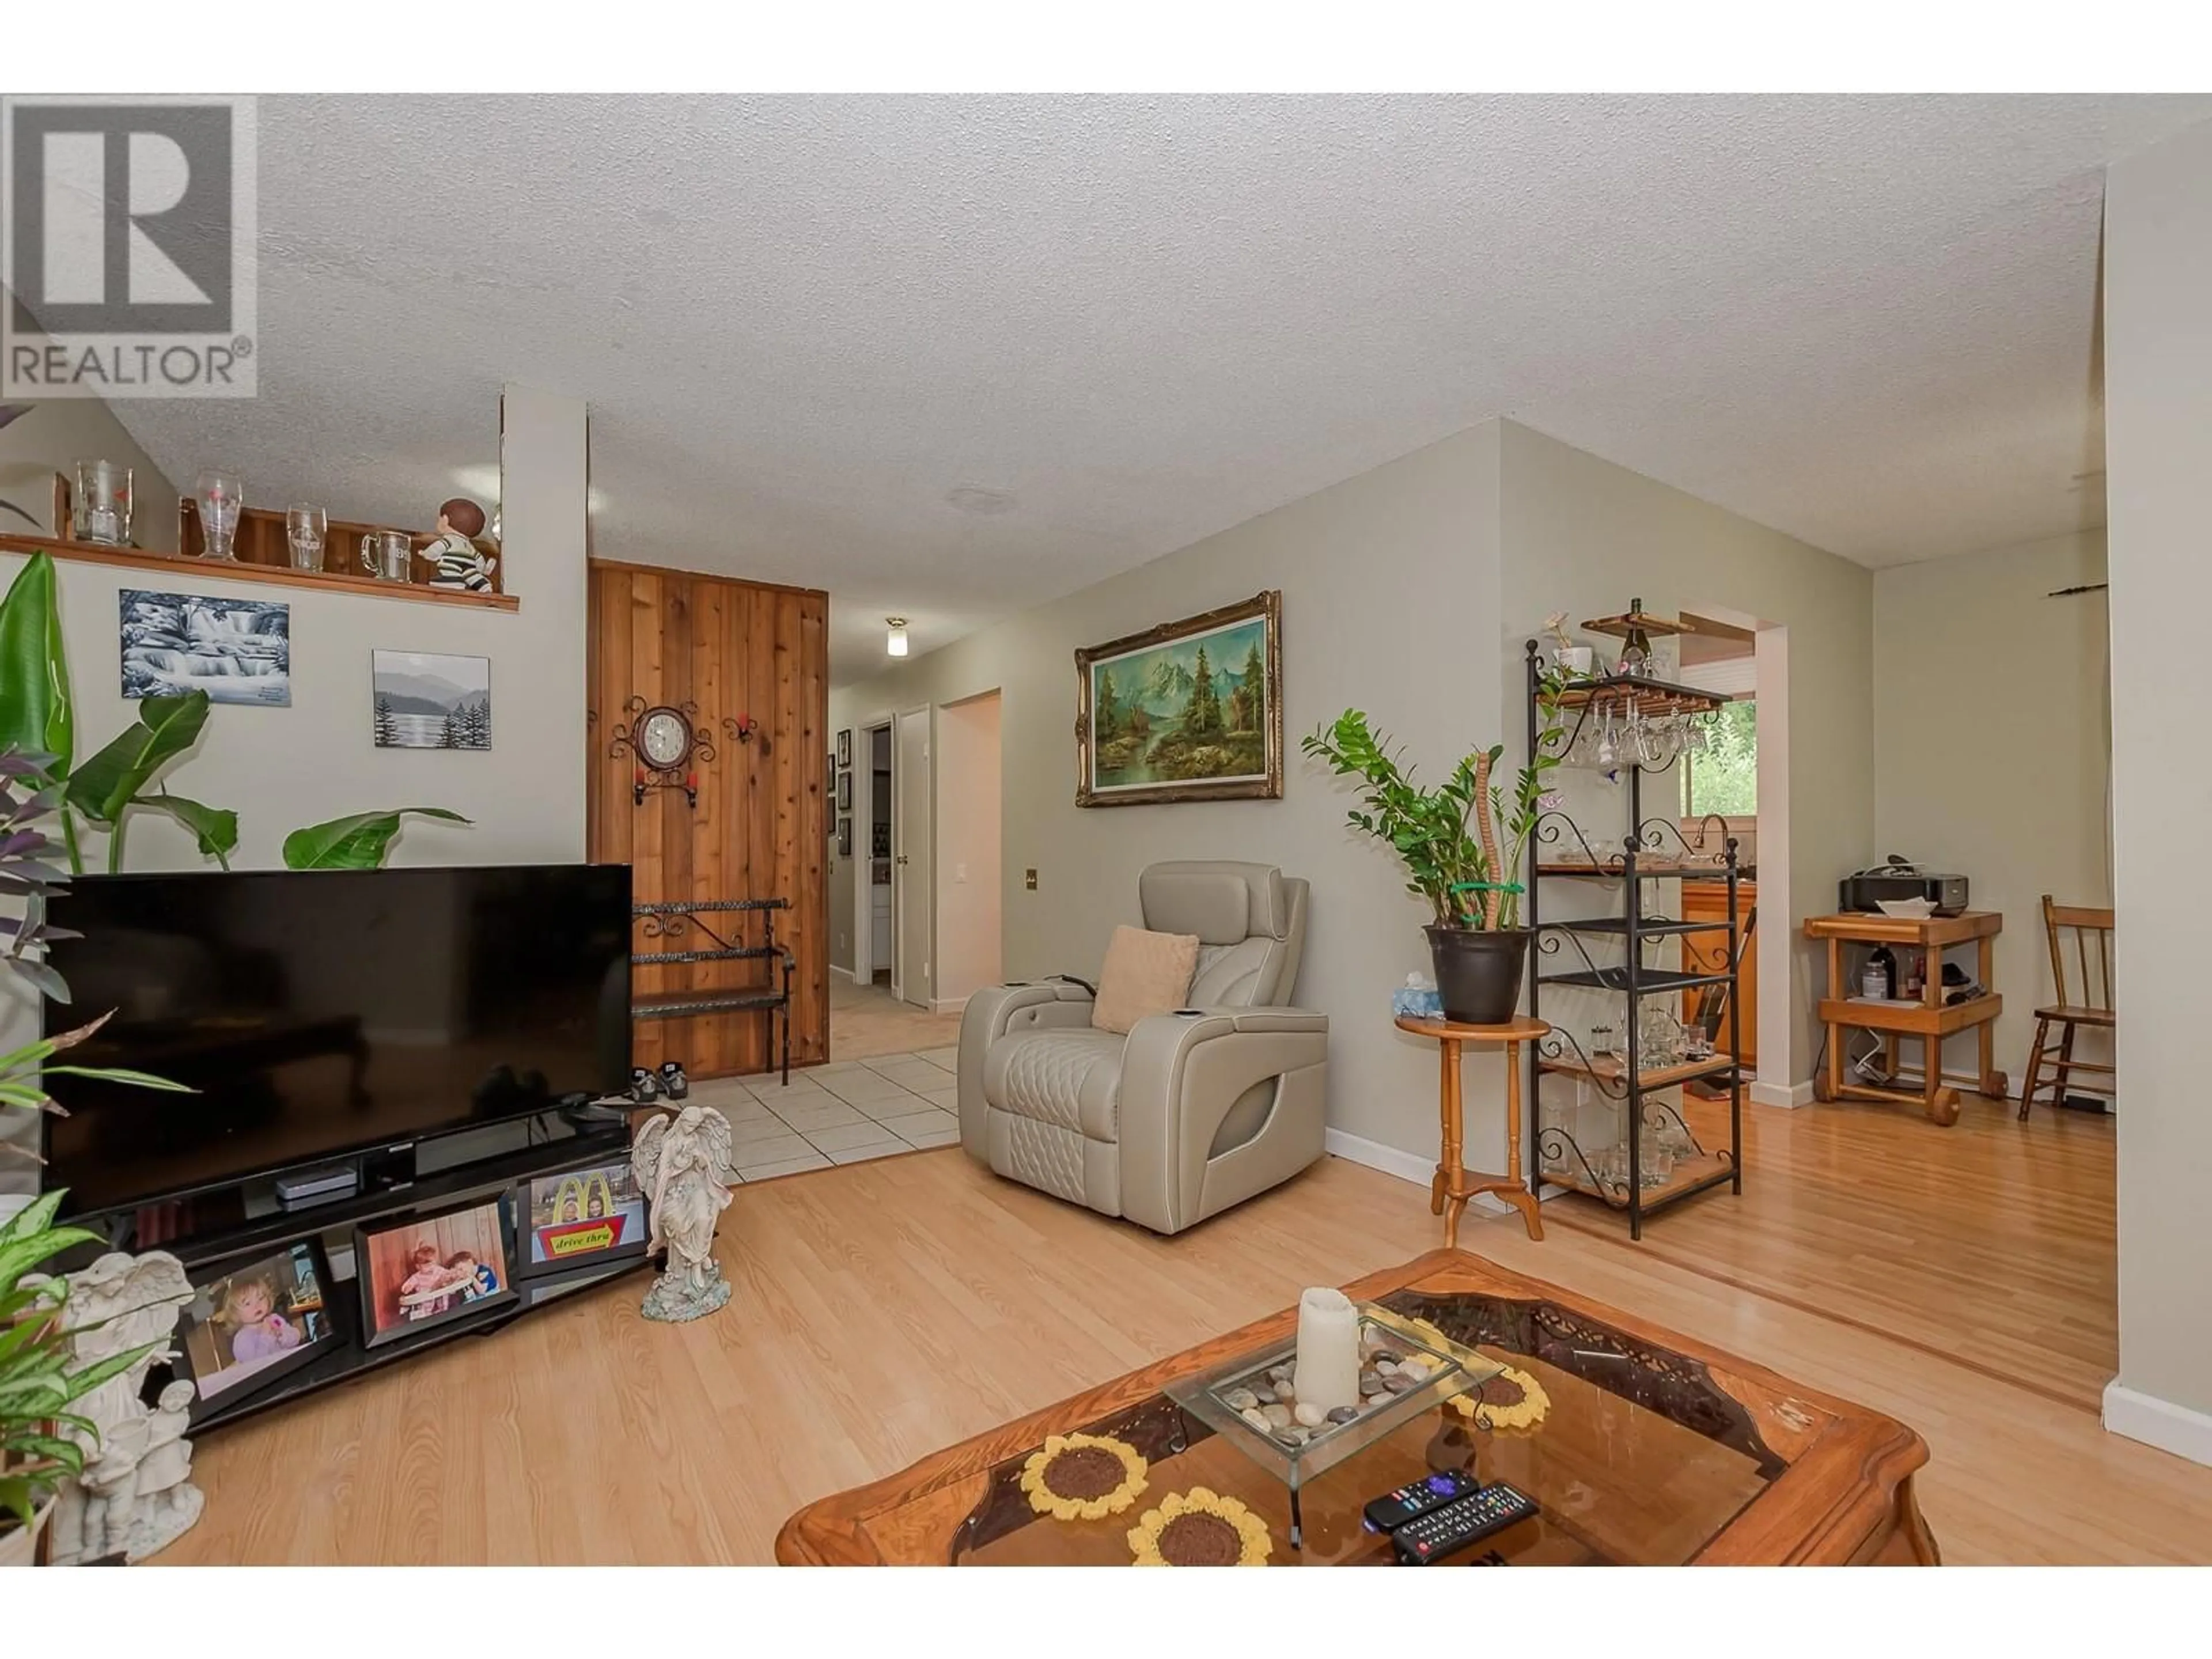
(1640, 1447)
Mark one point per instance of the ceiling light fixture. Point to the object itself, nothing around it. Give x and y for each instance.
(895, 642)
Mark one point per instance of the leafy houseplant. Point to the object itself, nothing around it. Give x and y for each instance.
(38, 1449)
(37, 718)
(37, 1386)
(1448, 837)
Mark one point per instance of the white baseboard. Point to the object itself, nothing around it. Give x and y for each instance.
(1792, 1095)
(2160, 1423)
(948, 1005)
(845, 974)
(1394, 1160)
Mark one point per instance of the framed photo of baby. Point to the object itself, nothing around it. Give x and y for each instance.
(431, 1269)
(253, 1320)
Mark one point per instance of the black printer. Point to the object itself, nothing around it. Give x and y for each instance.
(1901, 878)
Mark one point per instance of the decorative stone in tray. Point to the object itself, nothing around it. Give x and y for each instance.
(1404, 1369)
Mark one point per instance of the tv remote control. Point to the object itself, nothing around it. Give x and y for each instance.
(1394, 1508)
(1429, 1538)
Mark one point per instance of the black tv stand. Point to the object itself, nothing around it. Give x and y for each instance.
(233, 1220)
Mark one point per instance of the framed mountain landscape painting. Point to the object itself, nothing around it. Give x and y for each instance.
(1189, 710)
(426, 701)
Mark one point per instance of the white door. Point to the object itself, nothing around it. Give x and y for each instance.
(912, 859)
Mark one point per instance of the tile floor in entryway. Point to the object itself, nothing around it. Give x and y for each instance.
(844, 1112)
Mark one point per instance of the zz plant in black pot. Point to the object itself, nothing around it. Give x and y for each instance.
(1462, 841)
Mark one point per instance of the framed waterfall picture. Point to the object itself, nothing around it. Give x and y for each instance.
(235, 650)
(1189, 710)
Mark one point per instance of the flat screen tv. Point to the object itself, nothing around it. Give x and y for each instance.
(324, 1012)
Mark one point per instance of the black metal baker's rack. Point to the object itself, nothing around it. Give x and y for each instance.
(1556, 1158)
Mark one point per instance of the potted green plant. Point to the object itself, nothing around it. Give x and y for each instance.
(1448, 836)
(42, 1442)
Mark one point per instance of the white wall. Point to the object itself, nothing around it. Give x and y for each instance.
(1387, 580)
(1993, 747)
(1406, 592)
(280, 768)
(2158, 438)
(969, 876)
(1584, 535)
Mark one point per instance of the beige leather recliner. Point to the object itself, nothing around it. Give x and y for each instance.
(1191, 1111)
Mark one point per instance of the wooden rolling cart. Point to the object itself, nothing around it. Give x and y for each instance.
(1929, 1019)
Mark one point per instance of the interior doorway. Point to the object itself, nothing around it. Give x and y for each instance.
(968, 872)
(912, 854)
(874, 924)
(1742, 777)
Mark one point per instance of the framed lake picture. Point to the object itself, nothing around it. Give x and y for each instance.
(1189, 710)
(426, 701)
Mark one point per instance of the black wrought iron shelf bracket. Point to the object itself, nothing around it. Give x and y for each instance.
(1653, 927)
(1651, 983)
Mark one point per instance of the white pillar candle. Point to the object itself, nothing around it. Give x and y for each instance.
(1328, 1372)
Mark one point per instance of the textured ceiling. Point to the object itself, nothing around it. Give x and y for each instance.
(950, 357)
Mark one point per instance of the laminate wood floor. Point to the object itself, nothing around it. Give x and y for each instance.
(1961, 1281)
(867, 1023)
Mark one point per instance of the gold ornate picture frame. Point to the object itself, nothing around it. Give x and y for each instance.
(1188, 710)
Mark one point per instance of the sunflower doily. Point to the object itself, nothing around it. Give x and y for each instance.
(1510, 1399)
(1201, 1529)
(1082, 1477)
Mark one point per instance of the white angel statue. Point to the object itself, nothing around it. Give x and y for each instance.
(684, 1163)
(120, 1505)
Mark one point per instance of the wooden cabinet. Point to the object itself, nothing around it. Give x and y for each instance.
(1706, 953)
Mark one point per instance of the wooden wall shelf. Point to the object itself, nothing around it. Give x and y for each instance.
(173, 569)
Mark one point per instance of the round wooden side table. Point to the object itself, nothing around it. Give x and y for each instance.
(1453, 1185)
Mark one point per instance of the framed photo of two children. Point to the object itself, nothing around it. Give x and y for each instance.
(431, 1268)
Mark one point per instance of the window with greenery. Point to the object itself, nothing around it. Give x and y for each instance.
(1724, 779)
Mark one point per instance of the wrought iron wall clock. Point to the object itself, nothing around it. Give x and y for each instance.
(669, 747)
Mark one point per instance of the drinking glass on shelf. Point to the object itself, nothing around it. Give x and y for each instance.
(1658, 1037)
(99, 509)
(388, 555)
(306, 527)
(219, 495)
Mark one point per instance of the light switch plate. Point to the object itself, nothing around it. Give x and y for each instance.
(1029, 879)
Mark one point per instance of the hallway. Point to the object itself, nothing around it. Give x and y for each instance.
(865, 1022)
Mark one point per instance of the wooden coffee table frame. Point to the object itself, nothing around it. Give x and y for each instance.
(1846, 1497)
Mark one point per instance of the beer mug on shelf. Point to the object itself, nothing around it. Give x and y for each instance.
(388, 555)
(99, 507)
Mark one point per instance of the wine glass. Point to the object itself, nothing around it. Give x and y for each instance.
(306, 527)
(220, 495)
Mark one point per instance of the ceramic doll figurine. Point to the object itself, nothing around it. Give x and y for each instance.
(166, 1502)
(118, 1303)
(461, 563)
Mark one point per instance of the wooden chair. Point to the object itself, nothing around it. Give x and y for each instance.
(2092, 938)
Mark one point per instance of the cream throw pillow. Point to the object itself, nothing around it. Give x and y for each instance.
(1145, 974)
